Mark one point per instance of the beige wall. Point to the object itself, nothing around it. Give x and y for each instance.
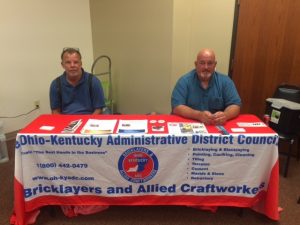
(137, 35)
(201, 24)
(153, 42)
(33, 33)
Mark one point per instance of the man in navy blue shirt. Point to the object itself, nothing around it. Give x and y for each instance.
(204, 94)
(75, 91)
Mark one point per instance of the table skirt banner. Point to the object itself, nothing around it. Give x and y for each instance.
(147, 169)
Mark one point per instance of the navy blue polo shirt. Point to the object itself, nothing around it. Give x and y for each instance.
(77, 100)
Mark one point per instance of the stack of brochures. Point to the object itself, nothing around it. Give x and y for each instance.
(72, 126)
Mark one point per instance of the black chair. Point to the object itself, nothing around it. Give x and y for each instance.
(288, 132)
(288, 92)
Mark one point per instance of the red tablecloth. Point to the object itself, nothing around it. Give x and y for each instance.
(250, 146)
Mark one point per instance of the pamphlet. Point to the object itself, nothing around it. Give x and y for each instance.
(94, 126)
(72, 126)
(133, 126)
(253, 124)
(187, 128)
(47, 128)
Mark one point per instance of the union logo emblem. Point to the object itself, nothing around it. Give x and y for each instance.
(138, 165)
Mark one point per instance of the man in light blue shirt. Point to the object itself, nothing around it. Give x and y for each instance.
(204, 94)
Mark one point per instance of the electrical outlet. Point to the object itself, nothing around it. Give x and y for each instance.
(37, 104)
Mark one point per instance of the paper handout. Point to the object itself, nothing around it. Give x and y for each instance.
(254, 124)
(187, 128)
(133, 126)
(94, 126)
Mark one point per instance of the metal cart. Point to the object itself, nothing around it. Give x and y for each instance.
(103, 63)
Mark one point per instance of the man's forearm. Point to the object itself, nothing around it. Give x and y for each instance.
(206, 117)
(187, 112)
(97, 111)
(232, 111)
(56, 111)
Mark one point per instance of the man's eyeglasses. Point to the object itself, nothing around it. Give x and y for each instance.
(70, 50)
(209, 63)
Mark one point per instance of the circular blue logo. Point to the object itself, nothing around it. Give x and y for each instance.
(138, 164)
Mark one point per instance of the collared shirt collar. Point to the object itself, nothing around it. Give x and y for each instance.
(79, 82)
(210, 83)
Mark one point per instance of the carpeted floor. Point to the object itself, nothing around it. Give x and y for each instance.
(159, 215)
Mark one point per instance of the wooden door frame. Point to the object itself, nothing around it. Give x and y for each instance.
(233, 37)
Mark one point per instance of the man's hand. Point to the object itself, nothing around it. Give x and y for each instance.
(97, 111)
(207, 118)
(219, 118)
(56, 111)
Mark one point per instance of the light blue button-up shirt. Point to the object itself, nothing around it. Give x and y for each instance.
(221, 92)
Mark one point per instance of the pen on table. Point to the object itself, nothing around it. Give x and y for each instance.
(222, 130)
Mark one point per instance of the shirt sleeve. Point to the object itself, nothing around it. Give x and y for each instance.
(231, 95)
(54, 98)
(180, 93)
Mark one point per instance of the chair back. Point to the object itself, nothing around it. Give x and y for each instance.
(285, 117)
(288, 92)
